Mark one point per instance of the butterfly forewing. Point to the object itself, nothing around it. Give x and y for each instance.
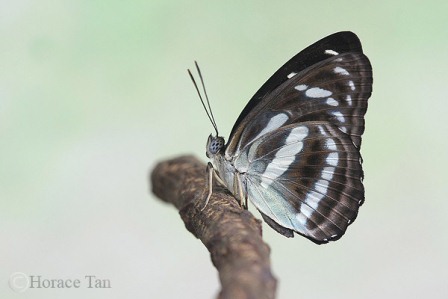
(334, 90)
(337, 43)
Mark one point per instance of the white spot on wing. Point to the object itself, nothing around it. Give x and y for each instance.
(301, 218)
(297, 134)
(301, 87)
(275, 169)
(333, 159)
(250, 155)
(349, 99)
(292, 74)
(339, 116)
(327, 173)
(306, 210)
(322, 131)
(316, 92)
(322, 186)
(340, 70)
(285, 156)
(313, 198)
(332, 102)
(331, 145)
(289, 150)
(343, 129)
(274, 123)
(331, 52)
(351, 84)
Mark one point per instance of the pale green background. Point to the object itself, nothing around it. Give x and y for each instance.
(93, 93)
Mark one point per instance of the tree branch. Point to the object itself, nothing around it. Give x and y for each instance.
(232, 235)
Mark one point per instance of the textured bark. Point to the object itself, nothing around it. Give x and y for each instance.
(232, 235)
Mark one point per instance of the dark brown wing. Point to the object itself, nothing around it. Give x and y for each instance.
(297, 142)
(306, 178)
(335, 90)
(340, 42)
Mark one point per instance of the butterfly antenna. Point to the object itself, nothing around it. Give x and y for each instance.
(206, 96)
(202, 101)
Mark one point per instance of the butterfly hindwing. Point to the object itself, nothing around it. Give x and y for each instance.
(306, 178)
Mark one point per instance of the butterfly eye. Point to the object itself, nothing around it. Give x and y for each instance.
(215, 145)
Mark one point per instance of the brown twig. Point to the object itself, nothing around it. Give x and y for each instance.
(232, 235)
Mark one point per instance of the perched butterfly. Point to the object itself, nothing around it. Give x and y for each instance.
(294, 151)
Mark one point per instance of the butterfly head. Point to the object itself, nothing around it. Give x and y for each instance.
(214, 145)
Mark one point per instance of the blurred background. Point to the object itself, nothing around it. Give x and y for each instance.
(94, 93)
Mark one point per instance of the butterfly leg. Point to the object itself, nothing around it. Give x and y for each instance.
(218, 178)
(210, 172)
(238, 185)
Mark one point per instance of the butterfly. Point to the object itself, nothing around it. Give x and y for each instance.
(294, 151)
